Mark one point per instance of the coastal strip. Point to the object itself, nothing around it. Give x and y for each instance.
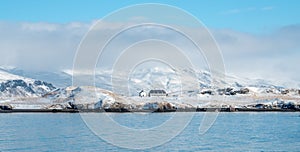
(145, 111)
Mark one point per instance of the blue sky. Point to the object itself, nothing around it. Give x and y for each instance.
(258, 38)
(255, 16)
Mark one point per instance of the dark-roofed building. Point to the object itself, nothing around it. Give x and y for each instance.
(142, 93)
(157, 93)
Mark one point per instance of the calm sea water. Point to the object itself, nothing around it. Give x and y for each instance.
(230, 132)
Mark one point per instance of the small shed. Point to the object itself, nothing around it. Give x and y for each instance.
(157, 93)
(142, 93)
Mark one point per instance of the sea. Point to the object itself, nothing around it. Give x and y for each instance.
(235, 131)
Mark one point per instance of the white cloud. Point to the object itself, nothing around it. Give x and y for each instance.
(44, 46)
(39, 27)
(232, 11)
(248, 9)
(267, 8)
(275, 55)
(39, 45)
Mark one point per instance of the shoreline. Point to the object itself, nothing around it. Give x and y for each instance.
(146, 111)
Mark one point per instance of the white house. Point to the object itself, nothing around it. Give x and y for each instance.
(142, 93)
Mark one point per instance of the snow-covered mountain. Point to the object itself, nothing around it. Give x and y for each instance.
(57, 78)
(4, 76)
(171, 81)
(13, 81)
(17, 90)
(17, 86)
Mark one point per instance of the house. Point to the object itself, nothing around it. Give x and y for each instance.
(142, 93)
(157, 93)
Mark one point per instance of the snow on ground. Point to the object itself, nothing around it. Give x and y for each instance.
(259, 91)
(4, 76)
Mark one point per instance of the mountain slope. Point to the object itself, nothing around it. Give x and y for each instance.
(57, 78)
(171, 81)
(16, 86)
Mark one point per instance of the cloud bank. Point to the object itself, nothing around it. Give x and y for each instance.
(273, 56)
(39, 46)
(49, 46)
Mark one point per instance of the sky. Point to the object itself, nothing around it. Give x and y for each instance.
(258, 38)
(248, 16)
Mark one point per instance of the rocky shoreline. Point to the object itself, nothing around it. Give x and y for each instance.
(84, 99)
(145, 111)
